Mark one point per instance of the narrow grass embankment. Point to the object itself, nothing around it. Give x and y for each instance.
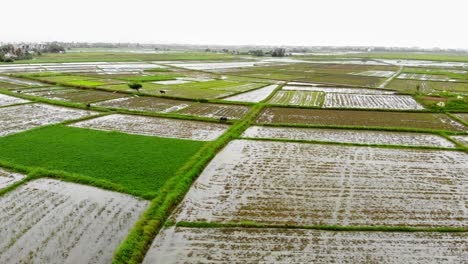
(134, 164)
(249, 224)
(134, 248)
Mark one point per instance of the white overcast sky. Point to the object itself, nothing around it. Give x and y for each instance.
(404, 23)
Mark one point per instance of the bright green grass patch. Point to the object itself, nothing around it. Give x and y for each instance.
(140, 164)
(149, 78)
(86, 83)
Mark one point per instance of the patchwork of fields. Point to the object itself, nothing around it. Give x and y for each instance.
(275, 160)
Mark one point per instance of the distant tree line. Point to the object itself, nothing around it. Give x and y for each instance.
(10, 52)
(277, 52)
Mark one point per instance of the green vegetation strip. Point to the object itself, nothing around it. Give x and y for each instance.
(249, 224)
(150, 78)
(134, 248)
(139, 165)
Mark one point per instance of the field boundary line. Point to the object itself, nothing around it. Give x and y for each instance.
(249, 224)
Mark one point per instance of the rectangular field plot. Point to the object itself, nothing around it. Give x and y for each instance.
(216, 110)
(301, 98)
(76, 95)
(427, 86)
(8, 178)
(48, 221)
(202, 89)
(375, 73)
(349, 136)
(10, 100)
(23, 117)
(20, 82)
(140, 165)
(153, 126)
(307, 184)
(336, 90)
(253, 96)
(365, 101)
(266, 245)
(145, 103)
(424, 77)
(359, 118)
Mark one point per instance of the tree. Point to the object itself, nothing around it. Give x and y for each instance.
(258, 53)
(135, 86)
(53, 47)
(278, 52)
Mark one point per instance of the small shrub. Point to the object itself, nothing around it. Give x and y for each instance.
(135, 86)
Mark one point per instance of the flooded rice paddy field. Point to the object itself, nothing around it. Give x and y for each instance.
(307, 184)
(145, 103)
(74, 95)
(336, 90)
(216, 110)
(8, 178)
(360, 118)
(254, 96)
(48, 221)
(21, 82)
(19, 118)
(300, 98)
(349, 136)
(366, 101)
(289, 185)
(216, 66)
(461, 139)
(97, 67)
(6, 100)
(266, 245)
(425, 77)
(375, 73)
(154, 126)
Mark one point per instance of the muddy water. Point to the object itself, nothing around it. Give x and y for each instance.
(367, 101)
(152, 126)
(308, 184)
(7, 178)
(216, 110)
(20, 82)
(146, 103)
(18, 118)
(336, 90)
(10, 100)
(215, 65)
(349, 136)
(253, 96)
(99, 67)
(252, 245)
(375, 73)
(462, 139)
(48, 221)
